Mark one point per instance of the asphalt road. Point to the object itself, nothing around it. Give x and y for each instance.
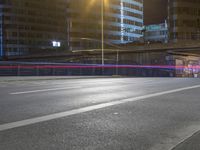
(100, 113)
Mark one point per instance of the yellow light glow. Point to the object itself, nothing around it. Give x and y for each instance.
(106, 3)
(92, 2)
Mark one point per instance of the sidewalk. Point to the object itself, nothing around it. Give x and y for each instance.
(192, 143)
(28, 78)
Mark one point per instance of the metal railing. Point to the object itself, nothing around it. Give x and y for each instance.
(70, 69)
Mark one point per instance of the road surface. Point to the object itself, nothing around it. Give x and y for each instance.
(100, 114)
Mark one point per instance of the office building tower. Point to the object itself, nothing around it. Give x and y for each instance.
(122, 22)
(28, 27)
(156, 33)
(184, 20)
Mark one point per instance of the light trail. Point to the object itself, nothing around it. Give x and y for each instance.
(97, 66)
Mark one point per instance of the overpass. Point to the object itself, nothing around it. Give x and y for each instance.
(189, 48)
(181, 54)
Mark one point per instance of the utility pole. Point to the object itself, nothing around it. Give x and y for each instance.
(2, 36)
(102, 35)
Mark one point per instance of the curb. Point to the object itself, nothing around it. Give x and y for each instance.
(10, 79)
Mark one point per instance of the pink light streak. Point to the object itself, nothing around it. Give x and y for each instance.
(97, 67)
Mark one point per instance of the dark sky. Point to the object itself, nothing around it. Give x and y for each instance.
(155, 11)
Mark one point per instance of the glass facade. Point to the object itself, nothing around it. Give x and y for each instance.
(156, 33)
(123, 22)
(30, 26)
(184, 20)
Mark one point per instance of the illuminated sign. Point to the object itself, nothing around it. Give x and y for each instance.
(56, 44)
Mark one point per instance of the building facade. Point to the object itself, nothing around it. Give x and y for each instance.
(29, 27)
(184, 20)
(122, 22)
(32, 27)
(156, 33)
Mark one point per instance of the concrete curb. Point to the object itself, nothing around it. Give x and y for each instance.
(10, 79)
(192, 143)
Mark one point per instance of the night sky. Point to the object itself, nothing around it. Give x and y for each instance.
(155, 11)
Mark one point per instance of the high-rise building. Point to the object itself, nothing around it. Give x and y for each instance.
(156, 33)
(122, 22)
(32, 26)
(184, 20)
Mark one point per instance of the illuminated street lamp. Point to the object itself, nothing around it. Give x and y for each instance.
(102, 31)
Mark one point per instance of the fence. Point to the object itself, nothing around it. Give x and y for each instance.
(67, 69)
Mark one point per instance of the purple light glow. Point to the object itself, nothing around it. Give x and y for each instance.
(98, 66)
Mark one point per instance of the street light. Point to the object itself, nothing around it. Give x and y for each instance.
(103, 2)
(1, 36)
(102, 31)
(102, 28)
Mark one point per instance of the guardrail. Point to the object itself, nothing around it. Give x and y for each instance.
(68, 69)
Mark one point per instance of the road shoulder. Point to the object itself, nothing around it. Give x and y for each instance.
(192, 143)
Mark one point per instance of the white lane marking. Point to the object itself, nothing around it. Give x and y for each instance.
(65, 88)
(31, 121)
(44, 90)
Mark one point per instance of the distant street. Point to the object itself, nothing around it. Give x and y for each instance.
(99, 113)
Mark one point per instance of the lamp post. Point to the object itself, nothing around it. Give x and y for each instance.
(117, 63)
(102, 34)
(2, 24)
